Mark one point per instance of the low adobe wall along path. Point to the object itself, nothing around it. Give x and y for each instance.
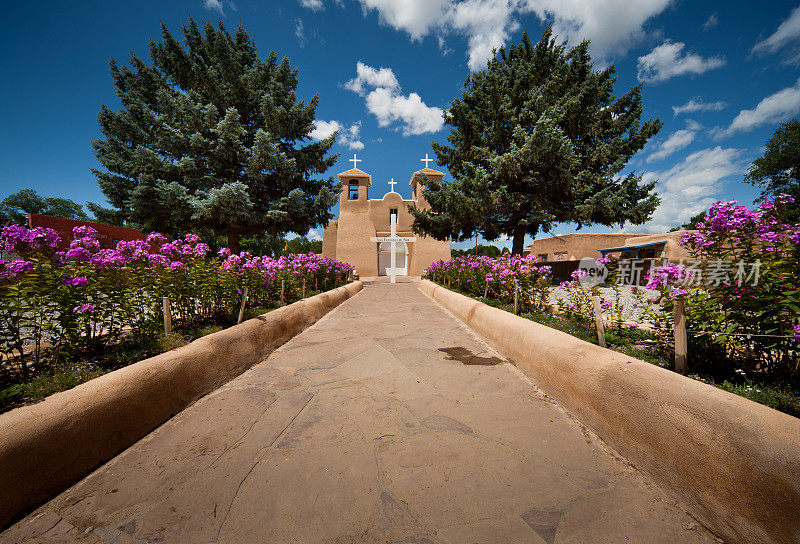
(734, 462)
(47, 446)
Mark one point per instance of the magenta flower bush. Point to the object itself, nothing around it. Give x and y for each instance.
(85, 295)
(498, 277)
(743, 297)
(574, 298)
(665, 276)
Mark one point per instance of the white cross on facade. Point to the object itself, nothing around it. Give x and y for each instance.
(393, 239)
(426, 160)
(355, 160)
(392, 183)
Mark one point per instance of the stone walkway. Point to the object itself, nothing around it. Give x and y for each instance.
(387, 421)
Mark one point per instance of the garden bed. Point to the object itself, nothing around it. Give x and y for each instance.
(67, 317)
(641, 344)
(132, 347)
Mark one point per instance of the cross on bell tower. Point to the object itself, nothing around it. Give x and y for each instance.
(426, 160)
(392, 183)
(355, 160)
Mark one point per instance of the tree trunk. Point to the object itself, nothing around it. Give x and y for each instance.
(233, 241)
(519, 240)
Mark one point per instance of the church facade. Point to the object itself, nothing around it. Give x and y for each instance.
(347, 237)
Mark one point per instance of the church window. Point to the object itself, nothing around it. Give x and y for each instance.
(392, 212)
(353, 194)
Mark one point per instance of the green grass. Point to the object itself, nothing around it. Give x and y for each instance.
(62, 376)
(780, 398)
(633, 342)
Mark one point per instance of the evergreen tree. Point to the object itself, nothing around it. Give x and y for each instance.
(778, 170)
(485, 250)
(302, 245)
(15, 207)
(691, 223)
(210, 136)
(537, 139)
(264, 244)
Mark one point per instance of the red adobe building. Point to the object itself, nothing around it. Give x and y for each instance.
(109, 235)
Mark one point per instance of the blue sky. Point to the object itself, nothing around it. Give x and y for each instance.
(721, 75)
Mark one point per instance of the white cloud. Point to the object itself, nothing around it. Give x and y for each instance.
(711, 22)
(314, 5)
(324, 129)
(773, 109)
(690, 186)
(695, 104)
(443, 46)
(417, 17)
(416, 117)
(677, 141)
(389, 106)
(612, 25)
(788, 33)
(314, 235)
(486, 23)
(299, 32)
(347, 136)
(666, 61)
(350, 137)
(214, 5)
(367, 76)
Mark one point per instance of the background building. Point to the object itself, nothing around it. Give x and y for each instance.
(109, 234)
(575, 246)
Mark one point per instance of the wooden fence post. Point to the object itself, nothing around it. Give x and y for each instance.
(282, 286)
(516, 297)
(304, 289)
(241, 310)
(598, 321)
(681, 347)
(486, 291)
(167, 317)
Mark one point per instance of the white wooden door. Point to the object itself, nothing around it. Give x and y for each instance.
(385, 259)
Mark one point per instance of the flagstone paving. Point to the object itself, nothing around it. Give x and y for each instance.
(387, 421)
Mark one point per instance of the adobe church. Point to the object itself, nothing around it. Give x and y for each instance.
(347, 237)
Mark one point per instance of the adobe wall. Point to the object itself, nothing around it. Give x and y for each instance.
(329, 234)
(427, 250)
(672, 250)
(732, 463)
(48, 446)
(109, 234)
(579, 245)
(353, 233)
